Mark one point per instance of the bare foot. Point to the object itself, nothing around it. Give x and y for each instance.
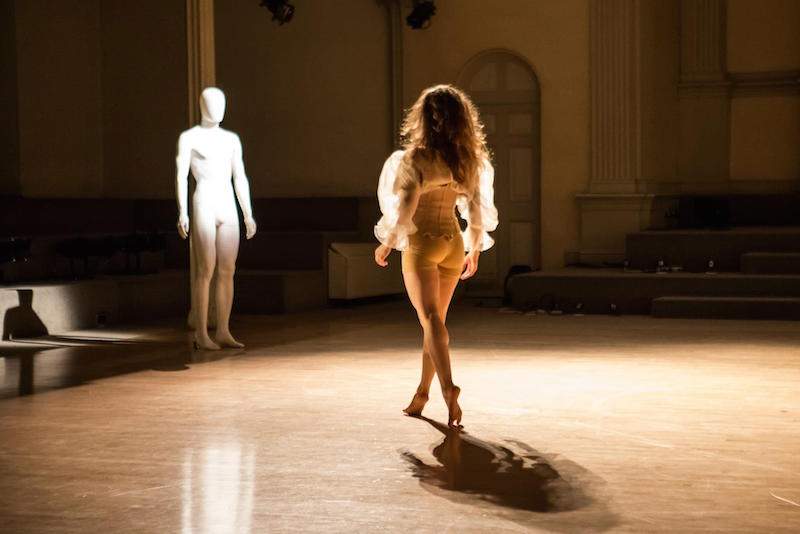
(453, 409)
(226, 340)
(417, 404)
(204, 342)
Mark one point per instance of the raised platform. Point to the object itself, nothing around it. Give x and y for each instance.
(270, 291)
(282, 269)
(579, 290)
(771, 262)
(64, 306)
(727, 307)
(93, 235)
(52, 308)
(693, 249)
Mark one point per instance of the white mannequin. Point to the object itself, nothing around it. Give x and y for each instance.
(213, 154)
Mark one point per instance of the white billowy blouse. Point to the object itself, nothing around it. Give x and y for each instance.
(399, 187)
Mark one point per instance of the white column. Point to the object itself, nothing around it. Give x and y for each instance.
(704, 94)
(616, 101)
(702, 34)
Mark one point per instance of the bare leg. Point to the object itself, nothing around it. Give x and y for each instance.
(447, 286)
(227, 250)
(204, 249)
(424, 291)
(420, 398)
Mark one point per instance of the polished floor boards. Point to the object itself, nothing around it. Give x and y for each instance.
(572, 424)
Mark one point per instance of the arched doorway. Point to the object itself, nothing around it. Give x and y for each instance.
(506, 91)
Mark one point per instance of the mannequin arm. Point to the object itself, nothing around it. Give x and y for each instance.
(242, 188)
(182, 161)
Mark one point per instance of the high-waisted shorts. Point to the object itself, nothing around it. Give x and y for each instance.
(426, 252)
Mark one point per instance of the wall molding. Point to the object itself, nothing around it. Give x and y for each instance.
(767, 83)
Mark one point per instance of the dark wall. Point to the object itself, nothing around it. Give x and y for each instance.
(9, 134)
(59, 95)
(145, 95)
(309, 99)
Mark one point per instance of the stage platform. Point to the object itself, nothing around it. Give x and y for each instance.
(572, 424)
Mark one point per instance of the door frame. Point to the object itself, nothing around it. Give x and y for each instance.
(501, 98)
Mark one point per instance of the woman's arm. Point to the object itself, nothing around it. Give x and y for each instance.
(481, 216)
(409, 199)
(473, 234)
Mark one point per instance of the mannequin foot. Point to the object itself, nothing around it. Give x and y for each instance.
(203, 342)
(417, 404)
(225, 339)
(453, 409)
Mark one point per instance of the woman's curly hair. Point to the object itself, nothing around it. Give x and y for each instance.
(444, 122)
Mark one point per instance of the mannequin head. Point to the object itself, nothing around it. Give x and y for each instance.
(212, 106)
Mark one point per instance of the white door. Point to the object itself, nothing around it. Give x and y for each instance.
(506, 91)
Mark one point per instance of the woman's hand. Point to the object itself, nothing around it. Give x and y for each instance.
(470, 266)
(380, 255)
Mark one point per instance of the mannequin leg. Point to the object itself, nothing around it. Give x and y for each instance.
(192, 297)
(447, 286)
(205, 254)
(227, 250)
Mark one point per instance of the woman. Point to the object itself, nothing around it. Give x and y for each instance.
(444, 163)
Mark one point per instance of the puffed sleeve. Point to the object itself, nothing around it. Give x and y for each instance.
(479, 211)
(398, 194)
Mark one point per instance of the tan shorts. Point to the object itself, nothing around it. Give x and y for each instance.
(426, 252)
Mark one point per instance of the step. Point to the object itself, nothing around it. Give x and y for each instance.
(63, 306)
(774, 308)
(57, 307)
(633, 292)
(267, 291)
(771, 262)
(692, 249)
(271, 250)
(723, 210)
(293, 233)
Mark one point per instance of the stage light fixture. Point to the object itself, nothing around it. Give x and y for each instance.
(420, 17)
(281, 10)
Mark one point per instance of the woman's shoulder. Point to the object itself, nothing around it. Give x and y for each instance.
(402, 161)
(396, 159)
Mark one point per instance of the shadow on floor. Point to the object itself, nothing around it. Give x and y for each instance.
(495, 473)
(527, 487)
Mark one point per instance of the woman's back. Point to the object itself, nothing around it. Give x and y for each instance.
(435, 214)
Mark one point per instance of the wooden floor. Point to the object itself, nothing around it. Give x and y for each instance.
(572, 424)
